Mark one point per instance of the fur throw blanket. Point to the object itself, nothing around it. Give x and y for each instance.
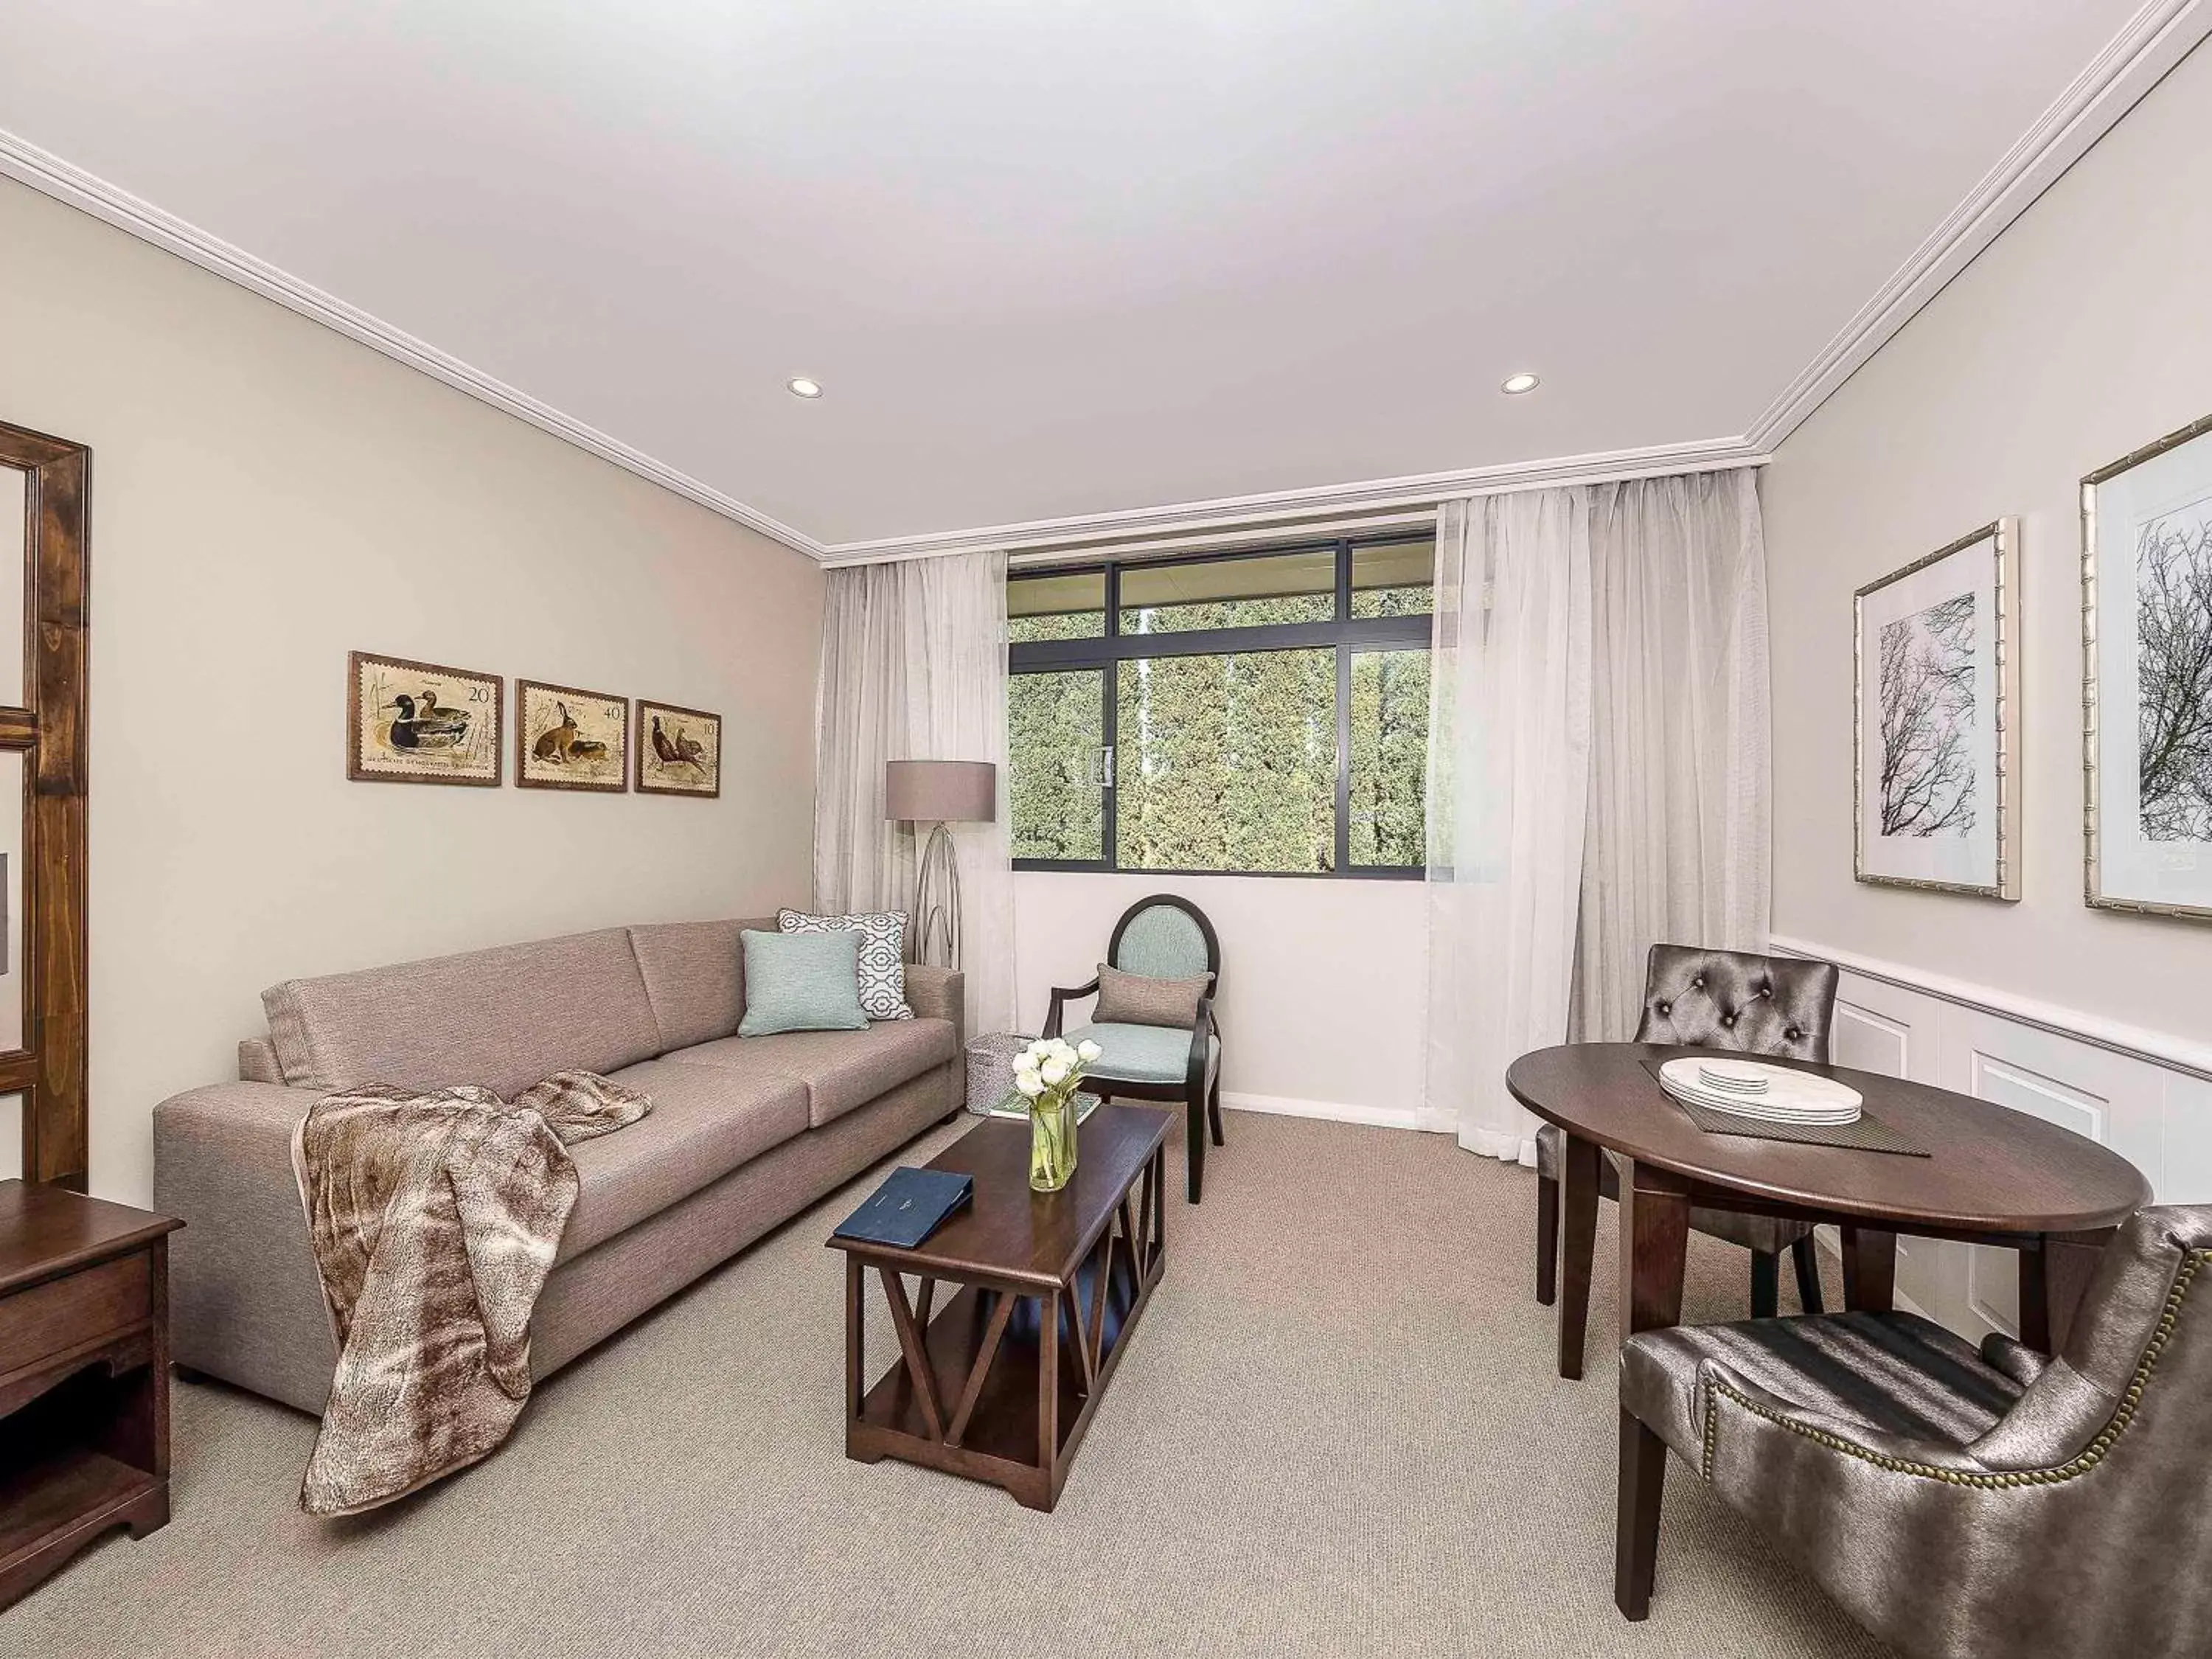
(434, 1219)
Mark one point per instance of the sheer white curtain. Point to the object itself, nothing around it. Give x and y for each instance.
(1677, 846)
(914, 667)
(1509, 785)
(1598, 768)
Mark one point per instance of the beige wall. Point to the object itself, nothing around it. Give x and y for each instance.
(2079, 335)
(267, 495)
(1323, 999)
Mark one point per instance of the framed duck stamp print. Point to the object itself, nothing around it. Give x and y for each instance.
(680, 751)
(2147, 678)
(418, 722)
(565, 739)
(1938, 645)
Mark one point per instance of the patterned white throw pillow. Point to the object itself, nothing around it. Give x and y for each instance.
(883, 955)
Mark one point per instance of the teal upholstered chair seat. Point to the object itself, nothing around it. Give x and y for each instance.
(1163, 937)
(1145, 1054)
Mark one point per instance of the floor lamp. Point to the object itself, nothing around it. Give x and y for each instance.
(938, 792)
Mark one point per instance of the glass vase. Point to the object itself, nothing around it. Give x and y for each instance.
(1052, 1141)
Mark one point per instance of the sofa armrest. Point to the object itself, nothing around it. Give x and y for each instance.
(245, 1303)
(257, 1061)
(938, 993)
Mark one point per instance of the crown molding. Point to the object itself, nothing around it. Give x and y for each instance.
(48, 173)
(2158, 37)
(1288, 507)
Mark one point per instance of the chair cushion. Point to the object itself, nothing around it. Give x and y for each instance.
(1141, 999)
(840, 1070)
(1143, 1054)
(704, 1123)
(1893, 1373)
(801, 982)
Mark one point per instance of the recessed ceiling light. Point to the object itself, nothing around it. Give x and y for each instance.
(1514, 386)
(800, 386)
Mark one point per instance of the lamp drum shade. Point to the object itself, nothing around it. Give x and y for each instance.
(941, 791)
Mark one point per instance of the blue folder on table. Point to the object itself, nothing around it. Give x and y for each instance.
(908, 1207)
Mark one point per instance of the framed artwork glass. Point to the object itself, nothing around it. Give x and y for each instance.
(416, 722)
(567, 739)
(1937, 796)
(2147, 678)
(680, 751)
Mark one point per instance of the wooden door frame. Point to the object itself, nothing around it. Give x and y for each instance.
(49, 731)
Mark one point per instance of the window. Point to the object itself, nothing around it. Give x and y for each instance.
(1260, 713)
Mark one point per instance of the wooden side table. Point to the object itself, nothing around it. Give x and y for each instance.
(84, 1377)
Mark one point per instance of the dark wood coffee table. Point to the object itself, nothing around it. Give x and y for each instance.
(987, 1388)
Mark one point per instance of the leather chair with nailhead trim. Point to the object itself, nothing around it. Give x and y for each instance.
(1780, 1006)
(1960, 1503)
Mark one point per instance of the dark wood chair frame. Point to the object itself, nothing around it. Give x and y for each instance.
(1766, 1265)
(1200, 1092)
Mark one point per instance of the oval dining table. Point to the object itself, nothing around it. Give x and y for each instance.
(1993, 1177)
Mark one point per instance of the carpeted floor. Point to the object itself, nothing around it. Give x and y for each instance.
(1338, 1432)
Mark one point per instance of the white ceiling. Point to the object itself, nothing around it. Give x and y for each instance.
(1070, 255)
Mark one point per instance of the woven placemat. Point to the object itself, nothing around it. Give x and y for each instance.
(1869, 1134)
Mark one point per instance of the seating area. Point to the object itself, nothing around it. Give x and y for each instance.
(1294, 831)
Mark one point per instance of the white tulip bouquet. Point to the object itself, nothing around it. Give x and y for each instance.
(1046, 1074)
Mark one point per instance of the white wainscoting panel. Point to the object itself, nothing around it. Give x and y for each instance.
(2149, 1101)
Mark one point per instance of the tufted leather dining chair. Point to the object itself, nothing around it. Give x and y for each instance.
(1961, 1504)
(1779, 1007)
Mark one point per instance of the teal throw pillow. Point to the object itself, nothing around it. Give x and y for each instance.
(802, 982)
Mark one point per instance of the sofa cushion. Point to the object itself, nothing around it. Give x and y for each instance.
(704, 1123)
(505, 1018)
(841, 1070)
(695, 975)
(801, 982)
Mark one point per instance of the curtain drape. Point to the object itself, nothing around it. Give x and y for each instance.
(914, 667)
(1677, 842)
(1598, 769)
(1509, 778)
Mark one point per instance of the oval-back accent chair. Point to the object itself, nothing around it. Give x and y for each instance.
(1960, 1503)
(1162, 937)
(1782, 1006)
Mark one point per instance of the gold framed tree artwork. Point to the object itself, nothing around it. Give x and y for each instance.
(568, 739)
(421, 722)
(680, 751)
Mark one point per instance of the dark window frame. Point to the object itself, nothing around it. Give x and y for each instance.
(1347, 636)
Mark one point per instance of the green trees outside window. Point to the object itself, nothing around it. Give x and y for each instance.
(1255, 714)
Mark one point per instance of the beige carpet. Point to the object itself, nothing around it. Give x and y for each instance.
(1338, 1432)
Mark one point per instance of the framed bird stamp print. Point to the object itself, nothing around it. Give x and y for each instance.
(565, 739)
(680, 751)
(418, 722)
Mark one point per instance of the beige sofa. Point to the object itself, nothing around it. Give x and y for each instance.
(745, 1131)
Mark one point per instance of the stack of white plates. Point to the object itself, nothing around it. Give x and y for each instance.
(1754, 1089)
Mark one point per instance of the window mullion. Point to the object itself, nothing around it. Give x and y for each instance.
(1343, 862)
(1109, 700)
